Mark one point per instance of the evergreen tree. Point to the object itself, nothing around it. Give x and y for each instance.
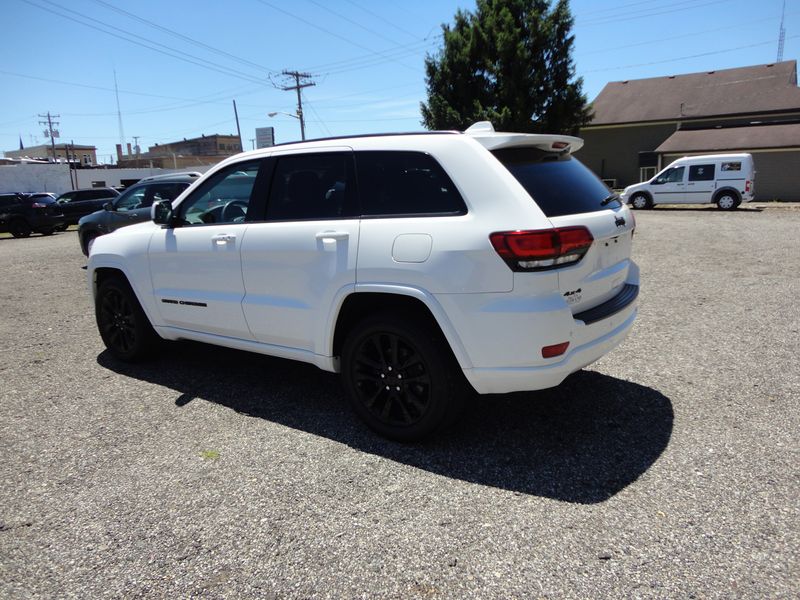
(509, 63)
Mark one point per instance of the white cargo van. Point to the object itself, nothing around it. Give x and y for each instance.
(725, 179)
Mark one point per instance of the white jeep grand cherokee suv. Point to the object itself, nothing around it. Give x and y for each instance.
(408, 263)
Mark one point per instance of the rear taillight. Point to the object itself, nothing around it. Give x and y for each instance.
(747, 185)
(542, 249)
(38, 205)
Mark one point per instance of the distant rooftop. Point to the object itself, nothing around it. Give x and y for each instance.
(770, 88)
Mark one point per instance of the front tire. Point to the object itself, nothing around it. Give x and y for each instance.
(124, 327)
(641, 201)
(400, 377)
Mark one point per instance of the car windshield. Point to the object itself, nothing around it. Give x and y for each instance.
(559, 183)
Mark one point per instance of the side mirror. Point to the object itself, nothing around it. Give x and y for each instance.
(161, 212)
(108, 206)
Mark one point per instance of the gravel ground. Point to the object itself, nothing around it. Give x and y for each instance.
(668, 469)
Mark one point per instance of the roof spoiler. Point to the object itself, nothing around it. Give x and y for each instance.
(483, 132)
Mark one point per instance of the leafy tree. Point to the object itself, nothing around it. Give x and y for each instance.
(509, 63)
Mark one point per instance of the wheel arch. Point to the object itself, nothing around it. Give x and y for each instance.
(416, 303)
(727, 188)
(109, 269)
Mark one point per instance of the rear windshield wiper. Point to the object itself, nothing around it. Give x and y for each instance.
(610, 199)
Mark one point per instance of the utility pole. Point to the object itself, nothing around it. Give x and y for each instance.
(51, 132)
(253, 143)
(136, 148)
(73, 185)
(298, 85)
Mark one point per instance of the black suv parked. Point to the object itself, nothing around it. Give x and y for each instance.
(21, 214)
(79, 203)
(132, 206)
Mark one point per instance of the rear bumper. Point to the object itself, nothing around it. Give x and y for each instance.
(603, 336)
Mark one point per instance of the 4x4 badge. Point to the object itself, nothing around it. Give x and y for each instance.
(619, 222)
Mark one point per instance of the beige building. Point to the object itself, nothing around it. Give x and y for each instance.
(85, 155)
(205, 150)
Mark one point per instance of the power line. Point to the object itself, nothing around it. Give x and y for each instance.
(618, 19)
(357, 63)
(173, 52)
(605, 49)
(184, 37)
(380, 18)
(352, 22)
(327, 31)
(679, 58)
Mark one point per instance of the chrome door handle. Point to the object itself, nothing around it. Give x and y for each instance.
(223, 238)
(333, 235)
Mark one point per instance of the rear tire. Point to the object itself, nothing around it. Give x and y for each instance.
(728, 200)
(125, 329)
(400, 377)
(641, 201)
(19, 229)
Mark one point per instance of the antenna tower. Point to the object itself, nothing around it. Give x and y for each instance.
(119, 113)
(782, 34)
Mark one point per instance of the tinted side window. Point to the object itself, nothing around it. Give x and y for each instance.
(224, 198)
(312, 186)
(701, 172)
(405, 183)
(6, 201)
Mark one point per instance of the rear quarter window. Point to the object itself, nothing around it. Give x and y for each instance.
(559, 183)
(398, 183)
(701, 172)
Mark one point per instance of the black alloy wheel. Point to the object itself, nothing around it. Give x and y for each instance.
(124, 327)
(400, 378)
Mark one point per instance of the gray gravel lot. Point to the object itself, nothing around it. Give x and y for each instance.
(668, 469)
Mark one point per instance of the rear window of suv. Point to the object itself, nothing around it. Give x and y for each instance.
(559, 184)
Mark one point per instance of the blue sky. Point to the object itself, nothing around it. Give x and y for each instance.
(179, 64)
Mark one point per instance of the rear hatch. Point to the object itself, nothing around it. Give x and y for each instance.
(45, 205)
(571, 196)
